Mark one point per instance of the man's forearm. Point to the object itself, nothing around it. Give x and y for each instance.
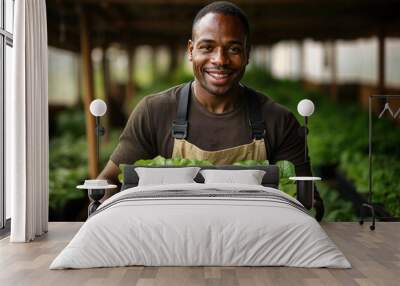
(110, 173)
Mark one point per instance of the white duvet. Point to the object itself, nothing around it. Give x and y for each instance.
(185, 231)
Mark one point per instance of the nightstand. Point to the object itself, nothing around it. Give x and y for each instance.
(96, 190)
(305, 190)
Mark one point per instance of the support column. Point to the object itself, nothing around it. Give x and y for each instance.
(154, 63)
(333, 64)
(268, 59)
(173, 57)
(182, 58)
(302, 62)
(105, 68)
(263, 58)
(381, 61)
(253, 60)
(88, 93)
(130, 89)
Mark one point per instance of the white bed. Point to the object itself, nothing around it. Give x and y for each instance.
(268, 228)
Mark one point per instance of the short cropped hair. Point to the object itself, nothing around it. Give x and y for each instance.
(225, 8)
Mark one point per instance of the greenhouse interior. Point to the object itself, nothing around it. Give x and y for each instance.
(337, 56)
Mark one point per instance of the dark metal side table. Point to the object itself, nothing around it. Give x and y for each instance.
(96, 190)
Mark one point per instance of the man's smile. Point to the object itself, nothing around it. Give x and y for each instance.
(219, 76)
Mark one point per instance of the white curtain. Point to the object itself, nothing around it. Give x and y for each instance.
(27, 124)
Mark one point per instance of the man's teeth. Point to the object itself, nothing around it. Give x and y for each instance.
(219, 75)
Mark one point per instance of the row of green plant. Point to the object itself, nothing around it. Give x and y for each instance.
(339, 137)
(68, 161)
(336, 208)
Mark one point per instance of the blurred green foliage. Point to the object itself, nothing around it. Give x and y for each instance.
(68, 168)
(338, 136)
(68, 162)
(336, 208)
(67, 158)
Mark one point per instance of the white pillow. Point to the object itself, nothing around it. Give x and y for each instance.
(163, 176)
(248, 177)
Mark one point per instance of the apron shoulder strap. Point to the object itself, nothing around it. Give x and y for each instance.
(180, 124)
(254, 112)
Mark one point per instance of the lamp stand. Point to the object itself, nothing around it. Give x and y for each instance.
(96, 195)
(99, 132)
(305, 138)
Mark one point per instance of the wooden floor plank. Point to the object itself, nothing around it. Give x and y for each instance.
(374, 255)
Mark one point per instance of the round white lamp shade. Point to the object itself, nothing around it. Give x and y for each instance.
(98, 107)
(305, 107)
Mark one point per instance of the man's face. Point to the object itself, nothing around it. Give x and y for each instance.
(218, 52)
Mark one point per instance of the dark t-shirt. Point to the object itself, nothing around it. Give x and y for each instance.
(148, 130)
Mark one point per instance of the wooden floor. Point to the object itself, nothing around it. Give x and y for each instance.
(375, 256)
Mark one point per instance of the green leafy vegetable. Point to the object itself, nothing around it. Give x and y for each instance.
(249, 163)
(286, 170)
(161, 161)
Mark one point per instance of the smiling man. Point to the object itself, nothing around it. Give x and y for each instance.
(214, 117)
(219, 53)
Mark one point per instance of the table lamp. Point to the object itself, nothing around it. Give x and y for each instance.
(305, 109)
(96, 188)
(305, 185)
(98, 108)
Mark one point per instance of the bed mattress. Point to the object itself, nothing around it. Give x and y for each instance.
(201, 225)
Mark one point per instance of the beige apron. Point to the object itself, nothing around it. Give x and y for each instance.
(252, 151)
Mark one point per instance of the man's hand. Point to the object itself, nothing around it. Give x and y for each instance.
(109, 173)
(319, 208)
